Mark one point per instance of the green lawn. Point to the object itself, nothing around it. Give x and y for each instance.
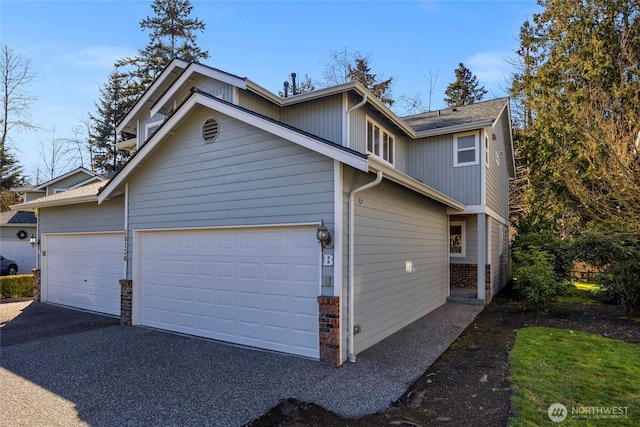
(590, 375)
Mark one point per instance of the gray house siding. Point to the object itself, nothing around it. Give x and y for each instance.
(430, 160)
(321, 117)
(245, 177)
(64, 184)
(85, 218)
(498, 256)
(401, 262)
(471, 239)
(253, 102)
(358, 132)
(497, 178)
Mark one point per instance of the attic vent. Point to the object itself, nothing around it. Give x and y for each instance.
(210, 130)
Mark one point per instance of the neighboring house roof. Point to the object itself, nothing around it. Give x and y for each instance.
(17, 218)
(475, 115)
(84, 194)
(91, 177)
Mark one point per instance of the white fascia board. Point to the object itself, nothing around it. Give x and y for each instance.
(480, 209)
(405, 180)
(188, 75)
(176, 63)
(66, 175)
(199, 99)
(35, 205)
(455, 129)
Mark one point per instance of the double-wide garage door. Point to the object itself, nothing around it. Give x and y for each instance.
(83, 270)
(255, 287)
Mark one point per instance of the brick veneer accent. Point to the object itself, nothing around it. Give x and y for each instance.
(37, 284)
(466, 276)
(126, 299)
(329, 324)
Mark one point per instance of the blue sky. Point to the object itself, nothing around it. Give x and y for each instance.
(73, 45)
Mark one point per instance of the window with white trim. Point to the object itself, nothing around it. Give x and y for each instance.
(150, 128)
(380, 142)
(457, 239)
(465, 149)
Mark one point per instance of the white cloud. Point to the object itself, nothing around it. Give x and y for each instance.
(490, 67)
(98, 56)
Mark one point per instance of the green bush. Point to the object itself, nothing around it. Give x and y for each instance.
(16, 286)
(534, 278)
(559, 250)
(618, 255)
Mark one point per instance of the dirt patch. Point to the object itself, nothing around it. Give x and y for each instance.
(468, 384)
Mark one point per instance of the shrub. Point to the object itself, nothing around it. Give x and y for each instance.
(618, 255)
(559, 250)
(16, 286)
(534, 278)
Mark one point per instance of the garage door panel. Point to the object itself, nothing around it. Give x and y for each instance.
(83, 270)
(251, 287)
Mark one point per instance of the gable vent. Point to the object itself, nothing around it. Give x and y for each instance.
(210, 130)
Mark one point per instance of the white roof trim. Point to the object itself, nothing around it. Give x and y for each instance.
(455, 129)
(166, 130)
(398, 177)
(67, 175)
(187, 76)
(144, 100)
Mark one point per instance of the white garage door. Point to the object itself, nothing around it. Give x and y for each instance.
(83, 270)
(254, 287)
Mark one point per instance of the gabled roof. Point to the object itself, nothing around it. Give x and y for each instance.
(151, 95)
(199, 98)
(92, 176)
(477, 115)
(17, 218)
(86, 193)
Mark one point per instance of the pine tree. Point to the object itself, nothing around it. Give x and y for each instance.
(361, 72)
(172, 35)
(464, 90)
(12, 176)
(116, 100)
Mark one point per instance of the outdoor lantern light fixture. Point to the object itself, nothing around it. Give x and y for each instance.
(323, 235)
(33, 240)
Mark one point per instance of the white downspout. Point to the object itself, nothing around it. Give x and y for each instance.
(355, 107)
(351, 306)
(126, 228)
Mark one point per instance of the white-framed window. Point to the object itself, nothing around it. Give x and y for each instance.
(457, 238)
(380, 142)
(465, 149)
(150, 128)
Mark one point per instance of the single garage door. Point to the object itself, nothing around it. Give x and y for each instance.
(256, 287)
(83, 270)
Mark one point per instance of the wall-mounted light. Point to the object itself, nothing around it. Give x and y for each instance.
(323, 235)
(34, 240)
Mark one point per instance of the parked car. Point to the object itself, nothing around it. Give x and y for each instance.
(9, 267)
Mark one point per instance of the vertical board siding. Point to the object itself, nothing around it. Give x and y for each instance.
(497, 176)
(401, 261)
(498, 257)
(258, 104)
(245, 177)
(430, 160)
(321, 117)
(85, 218)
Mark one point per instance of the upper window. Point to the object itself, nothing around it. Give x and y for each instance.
(457, 239)
(465, 149)
(380, 142)
(150, 128)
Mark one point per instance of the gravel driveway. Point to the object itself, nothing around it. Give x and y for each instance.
(89, 370)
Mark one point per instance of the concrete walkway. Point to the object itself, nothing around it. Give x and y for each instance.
(88, 370)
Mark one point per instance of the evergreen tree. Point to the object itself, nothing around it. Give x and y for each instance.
(361, 72)
(465, 90)
(116, 99)
(172, 35)
(12, 176)
(580, 90)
